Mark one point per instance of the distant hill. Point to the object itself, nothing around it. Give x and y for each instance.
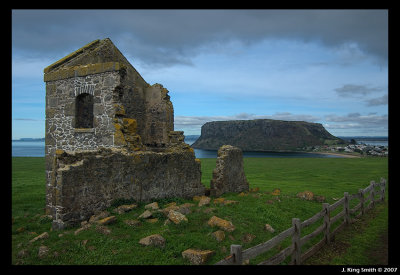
(264, 135)
(29, 139)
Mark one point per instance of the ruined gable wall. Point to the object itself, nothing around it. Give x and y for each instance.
(130, 95)
(60, 115)
(159, 116)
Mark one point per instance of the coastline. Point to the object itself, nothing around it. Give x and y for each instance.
(335, 154)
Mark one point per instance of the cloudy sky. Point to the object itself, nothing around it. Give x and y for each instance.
(324, 66)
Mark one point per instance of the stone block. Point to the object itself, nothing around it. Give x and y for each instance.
(153, 240)
(196, 256)
(228, 175)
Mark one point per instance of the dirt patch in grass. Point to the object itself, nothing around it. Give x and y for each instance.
(327, 253)
(379, 255)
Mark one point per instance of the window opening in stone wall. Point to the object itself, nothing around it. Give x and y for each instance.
(84, 111)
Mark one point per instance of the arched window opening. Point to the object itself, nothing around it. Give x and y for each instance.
(84, 111)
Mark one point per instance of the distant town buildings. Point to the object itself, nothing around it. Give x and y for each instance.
(362, 149)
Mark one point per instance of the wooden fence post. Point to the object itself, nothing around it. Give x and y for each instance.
(327, 222)
(361, 194)
(236, 252)
(372, 194)
(296, 256)
(346, 208)
(383, 189)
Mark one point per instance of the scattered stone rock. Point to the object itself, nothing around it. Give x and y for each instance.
(42, 236)
(242, 194)
(219, 235)
(208, 210)
(319, 198)
(84, 242)
(221, 223)
(228, 202)
(197, 198)
(99, 216)
(218, 200)
(276, 192)
(103, 229)
(185, 208)
(134, 223)
(197, 257)
(79, 230)
(124, 208)
(246, 238)
(23, 253)
(145, 215)
(108, 220)
(254, 190)
(20, 229)
(176, 217)
(85, 225)
(307, 195)
(166, 210)
(43, 251)
(170, 204)
(153, 206)
(269, 228)
(152, 220)
(154, 240)
(204, 201)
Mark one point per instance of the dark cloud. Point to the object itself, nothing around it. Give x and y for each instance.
(383, 100)
(28, 119)
(356, 120)
(165, 37)
(351, 90)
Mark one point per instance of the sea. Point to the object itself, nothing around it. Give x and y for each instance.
(35, 148)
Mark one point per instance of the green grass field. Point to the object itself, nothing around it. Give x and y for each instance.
(329, 177)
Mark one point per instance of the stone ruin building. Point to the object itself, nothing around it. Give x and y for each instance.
(110, 135)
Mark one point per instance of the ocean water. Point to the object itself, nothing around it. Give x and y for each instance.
(27, 149)
(36, 149)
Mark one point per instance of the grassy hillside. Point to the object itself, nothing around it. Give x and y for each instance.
(325, 177)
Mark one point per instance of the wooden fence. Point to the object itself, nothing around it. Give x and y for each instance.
(237, 256)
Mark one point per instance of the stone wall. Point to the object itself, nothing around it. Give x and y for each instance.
(228, 175)
(89, 181)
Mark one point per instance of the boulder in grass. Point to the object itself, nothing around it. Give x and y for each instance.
(176, 217)
(124, 208)
(197, 257)
(221, 223)
(153, 240)
(306, 195)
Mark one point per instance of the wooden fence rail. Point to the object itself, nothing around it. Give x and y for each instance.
(238, 256)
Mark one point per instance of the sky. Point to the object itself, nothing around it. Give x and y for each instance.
(322, 66)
